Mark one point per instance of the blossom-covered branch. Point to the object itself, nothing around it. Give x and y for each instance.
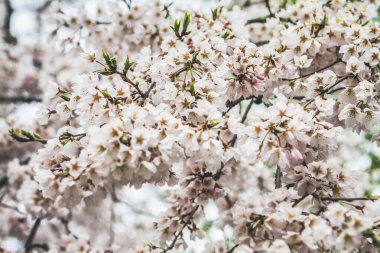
(247, 110)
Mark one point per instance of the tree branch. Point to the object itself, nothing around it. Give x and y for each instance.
(4, 181)
(146, 95)
(312, 73)
(233, 141)
(190, 216)
(370, 198)
(18, 99)
(278, 177)
(231, 104)
(261, 43)
(233, 248)
(327, 90)
(32, 234)
(8, 37)
(42, 246)
(269, 9)
(65, 223)
(44, 6)
(264, 19)
(247, 111)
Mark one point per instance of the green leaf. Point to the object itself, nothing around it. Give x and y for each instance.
(106, 94)
(213, 124)
(214, 13)
(375, 237)
(247, 3)
(105, 72)
(25, 136)
(176, 26)
(113, 64)
(207, 225)
(64, 97)
(110, 62)
(226, 34)
(195, 56)
(65, 173)
(365, 23)
(106, 56)
(127, 65)
(125, 139)
(283, 3)
(186, 22)
(13, 133)
(191, 88)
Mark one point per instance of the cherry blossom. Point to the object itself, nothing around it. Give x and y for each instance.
(249, 107)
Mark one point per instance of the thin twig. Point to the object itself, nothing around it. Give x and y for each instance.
(128, 3)
(370, 198)
(13, 208)
(312, 73)
(297, 201)
(176, 237)
(146, 95)
(264, 19)
(269, 9)
(233, 248)
(65, 223)
(247, 110)
(126, 79)
(232, 104)
(327, 90)
(233, 141)
(44, 6)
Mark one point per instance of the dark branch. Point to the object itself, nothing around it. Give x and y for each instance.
(44, 6)
(247, 111)
(312, 73)
(32, 234)
(18, 99)
(3, 181)
(278, 177)
(176, 237)
(253, 100)
(371, 198)
(65, 223)
(269, 9)
(264, 19)
(8, 37)
(42, 246)
(231, 104)
(261, 43)
(327, 89)
(233, 248)
(146, 95)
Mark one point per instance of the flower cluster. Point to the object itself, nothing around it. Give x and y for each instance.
(215, 108)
